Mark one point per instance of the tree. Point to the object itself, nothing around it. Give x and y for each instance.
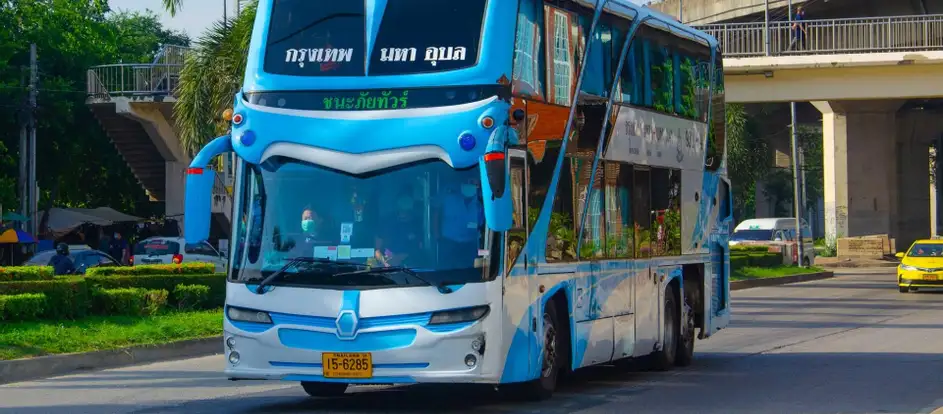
(73, 151)
(211, 76)
(748, 159)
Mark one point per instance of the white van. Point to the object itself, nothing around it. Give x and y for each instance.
(174, 250)
(775, 231)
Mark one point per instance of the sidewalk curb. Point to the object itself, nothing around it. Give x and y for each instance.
(776, 281)
(27, 369)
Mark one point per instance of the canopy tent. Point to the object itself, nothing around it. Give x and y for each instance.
(64, 220)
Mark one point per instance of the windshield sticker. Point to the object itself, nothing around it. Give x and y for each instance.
(325, 252)
(347, 229)
(343, 252)
(364, 101)
(322, 55)
(401, 54)
(436, 54)
(361, 253)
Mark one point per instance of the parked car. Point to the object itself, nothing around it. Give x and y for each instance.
(82, 256)
(175, 250)
(775, 232)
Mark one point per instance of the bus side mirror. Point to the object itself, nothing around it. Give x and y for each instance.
(198, 210)
(496, 198)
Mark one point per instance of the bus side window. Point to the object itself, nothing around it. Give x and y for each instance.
(517, 235)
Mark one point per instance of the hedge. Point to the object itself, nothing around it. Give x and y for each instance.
(66, 297)
(192, 297)
(215, 281)
(154, 270)
(748, 248)
(22, 307)
(128, 301)
(12, 273)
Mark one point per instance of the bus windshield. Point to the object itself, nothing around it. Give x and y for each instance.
(425, 218)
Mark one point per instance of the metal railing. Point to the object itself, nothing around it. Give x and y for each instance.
(832, 36)
(161, 77)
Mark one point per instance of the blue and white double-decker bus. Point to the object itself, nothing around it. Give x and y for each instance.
(475, 191)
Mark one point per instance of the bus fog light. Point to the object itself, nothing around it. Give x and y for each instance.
(471, 360)
(231, 343)
(234, 358)
(479, 344)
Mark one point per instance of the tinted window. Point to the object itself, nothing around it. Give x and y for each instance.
(926, 250)
(529, 76)
(156, 247)
(316, 38)
(419, 36)
(201, 248)
(752, 235)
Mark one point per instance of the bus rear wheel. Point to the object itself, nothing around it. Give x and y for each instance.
(324, 389)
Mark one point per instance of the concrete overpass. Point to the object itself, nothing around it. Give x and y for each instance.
(134, 104)
(871, 79)
(701, 12)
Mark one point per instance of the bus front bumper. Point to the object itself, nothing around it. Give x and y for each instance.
(409, 354)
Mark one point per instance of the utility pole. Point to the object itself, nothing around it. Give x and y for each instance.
(681, 11)
(33, 95)
(766, 29)
(797, 190)
(225, 10)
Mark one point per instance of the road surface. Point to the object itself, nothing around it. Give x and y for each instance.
(848, 345)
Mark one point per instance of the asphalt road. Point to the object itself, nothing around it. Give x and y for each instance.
(848, 345)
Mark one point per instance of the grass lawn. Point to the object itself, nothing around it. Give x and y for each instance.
(98, 333)
(767, 272)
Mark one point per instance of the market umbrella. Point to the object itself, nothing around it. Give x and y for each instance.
(13, 236)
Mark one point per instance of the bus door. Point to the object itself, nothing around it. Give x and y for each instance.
(647, 286)
(518, 266)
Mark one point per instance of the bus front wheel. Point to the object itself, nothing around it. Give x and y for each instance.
(324, 389)
(542, 388)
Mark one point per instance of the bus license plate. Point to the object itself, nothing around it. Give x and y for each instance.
(347, 365)
(927, 276)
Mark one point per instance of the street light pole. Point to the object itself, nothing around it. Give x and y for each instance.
(681, 11)
(766, 29)
(797, 190)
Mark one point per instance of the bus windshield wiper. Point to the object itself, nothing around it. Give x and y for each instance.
(442, 286)
(295, 262)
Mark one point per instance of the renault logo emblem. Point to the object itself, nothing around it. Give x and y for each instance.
(346, 324)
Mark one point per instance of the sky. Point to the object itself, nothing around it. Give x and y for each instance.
(197, 15)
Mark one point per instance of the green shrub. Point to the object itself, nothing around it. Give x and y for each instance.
(151, 270)
(765, 259)
(738, 262)
(128, 301)
(192, 297)
(24, 273)
(23, 307)
(216, 282)
(66, 297)
(748, 248)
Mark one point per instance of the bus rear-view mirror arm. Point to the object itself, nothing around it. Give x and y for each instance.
(199, 190)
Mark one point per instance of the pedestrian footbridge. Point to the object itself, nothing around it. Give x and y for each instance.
(134, 104)
(877, 82)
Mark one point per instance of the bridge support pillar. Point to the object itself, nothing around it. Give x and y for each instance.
(876, 170)
(859, 166)
(175, 195)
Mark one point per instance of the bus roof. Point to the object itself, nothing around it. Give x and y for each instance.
(661, 21)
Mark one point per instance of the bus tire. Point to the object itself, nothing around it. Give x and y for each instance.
(543, 387)
(664, 359)
(685, 352)
(324, 389)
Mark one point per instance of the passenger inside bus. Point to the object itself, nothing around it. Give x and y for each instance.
(402, 240)
(459, 217)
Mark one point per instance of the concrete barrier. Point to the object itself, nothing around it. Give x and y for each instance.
(27, 369)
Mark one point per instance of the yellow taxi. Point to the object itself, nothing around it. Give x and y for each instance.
(921, 266)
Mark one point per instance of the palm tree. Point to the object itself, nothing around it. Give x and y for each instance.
(212, 74)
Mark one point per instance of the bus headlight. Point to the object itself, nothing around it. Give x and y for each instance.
(247, 315)
(459, 315)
